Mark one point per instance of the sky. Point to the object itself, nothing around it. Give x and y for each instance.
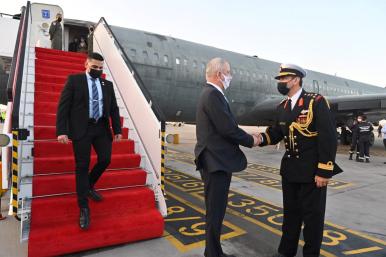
(346, 38)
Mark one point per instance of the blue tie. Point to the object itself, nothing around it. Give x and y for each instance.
(95, 100)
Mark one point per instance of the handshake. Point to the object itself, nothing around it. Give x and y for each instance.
(257, 139)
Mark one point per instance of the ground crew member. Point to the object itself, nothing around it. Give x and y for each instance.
(304, 122)
(354, 140)
(56, 33)
(364, 131)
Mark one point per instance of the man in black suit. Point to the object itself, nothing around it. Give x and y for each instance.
(86, 105)
(217, 150)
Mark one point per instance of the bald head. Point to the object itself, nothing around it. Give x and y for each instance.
(216, 69)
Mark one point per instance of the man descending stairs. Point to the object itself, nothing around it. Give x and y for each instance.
(123, 208)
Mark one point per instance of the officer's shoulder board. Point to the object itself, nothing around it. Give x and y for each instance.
(317, 98)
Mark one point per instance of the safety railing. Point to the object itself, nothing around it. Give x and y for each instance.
(11, 125)
(145, 116)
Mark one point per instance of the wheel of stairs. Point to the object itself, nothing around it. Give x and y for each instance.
(128, 211)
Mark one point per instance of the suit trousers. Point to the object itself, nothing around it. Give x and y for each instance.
(303, 203)
(216, 188)
(97, 136)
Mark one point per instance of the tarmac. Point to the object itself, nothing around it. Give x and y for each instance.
(355, 214)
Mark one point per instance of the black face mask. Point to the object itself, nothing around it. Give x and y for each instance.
(95, 73)
(282, 88)
(59, 19)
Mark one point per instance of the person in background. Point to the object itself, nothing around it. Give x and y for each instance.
(90, 39)
(383, 131)
(364, 131)
(354, 140)
(56, 33)
(380, 130)
(82, 47)
(73, 47)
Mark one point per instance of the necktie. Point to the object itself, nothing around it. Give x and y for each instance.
(289, 105)
(95, 100)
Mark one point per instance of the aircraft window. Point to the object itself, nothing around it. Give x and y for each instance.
(194, 64)
(133, 52)
(185, 62)
(254, 75)
(241, 72)
(145, 55)
(156, 57)
(247, 73)
(178, 61)
(203, 66)
(166, 59)
(234, 71)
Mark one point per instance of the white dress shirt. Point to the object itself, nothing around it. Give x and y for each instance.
(295, 98)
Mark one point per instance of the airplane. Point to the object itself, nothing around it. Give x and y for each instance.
(173, 72)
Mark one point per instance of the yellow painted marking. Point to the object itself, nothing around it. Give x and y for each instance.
(363, 250)
(180, 219)
(14, 155)
(333, 236)
(184, 248)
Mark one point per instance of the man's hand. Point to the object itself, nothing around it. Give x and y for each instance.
(321, 182)
(257, 139)
(63, 139)
(118, 137)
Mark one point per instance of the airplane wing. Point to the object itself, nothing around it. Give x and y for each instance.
(343, 107)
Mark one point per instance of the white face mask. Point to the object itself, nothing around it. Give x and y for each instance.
(227, 81)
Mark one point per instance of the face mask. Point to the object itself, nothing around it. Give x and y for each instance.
(282, 88)
(227, 81)
(59, 19)
(95, 73)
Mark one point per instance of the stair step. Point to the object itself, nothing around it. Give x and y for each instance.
(48, 165)
(49, 119)
(50, 78)
(52, 148)
(62, 58)
(48, 87)
(58, 63)
(49, 132)
(46, 97)
(65, 183)
(59, 52)
(43, 69)
(124, 215)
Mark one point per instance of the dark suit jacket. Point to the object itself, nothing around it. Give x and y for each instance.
(218, 135)
(306, 155)
(73, 110)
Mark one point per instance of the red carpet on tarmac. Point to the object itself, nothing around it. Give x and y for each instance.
(128, 211)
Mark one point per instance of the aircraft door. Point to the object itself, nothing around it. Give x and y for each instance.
(41, 17)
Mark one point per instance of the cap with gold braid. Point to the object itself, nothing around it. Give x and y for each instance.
(291, 70)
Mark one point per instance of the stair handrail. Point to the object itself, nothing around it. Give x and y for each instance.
(145, 116)
(16, 74)
(154, 105)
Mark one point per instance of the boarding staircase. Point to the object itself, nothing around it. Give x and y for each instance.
(43, 181)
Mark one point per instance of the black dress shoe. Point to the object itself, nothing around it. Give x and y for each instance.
(84, 219)
(94, 195)
(228, 255)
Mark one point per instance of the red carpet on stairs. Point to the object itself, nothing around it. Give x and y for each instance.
(128, 211)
